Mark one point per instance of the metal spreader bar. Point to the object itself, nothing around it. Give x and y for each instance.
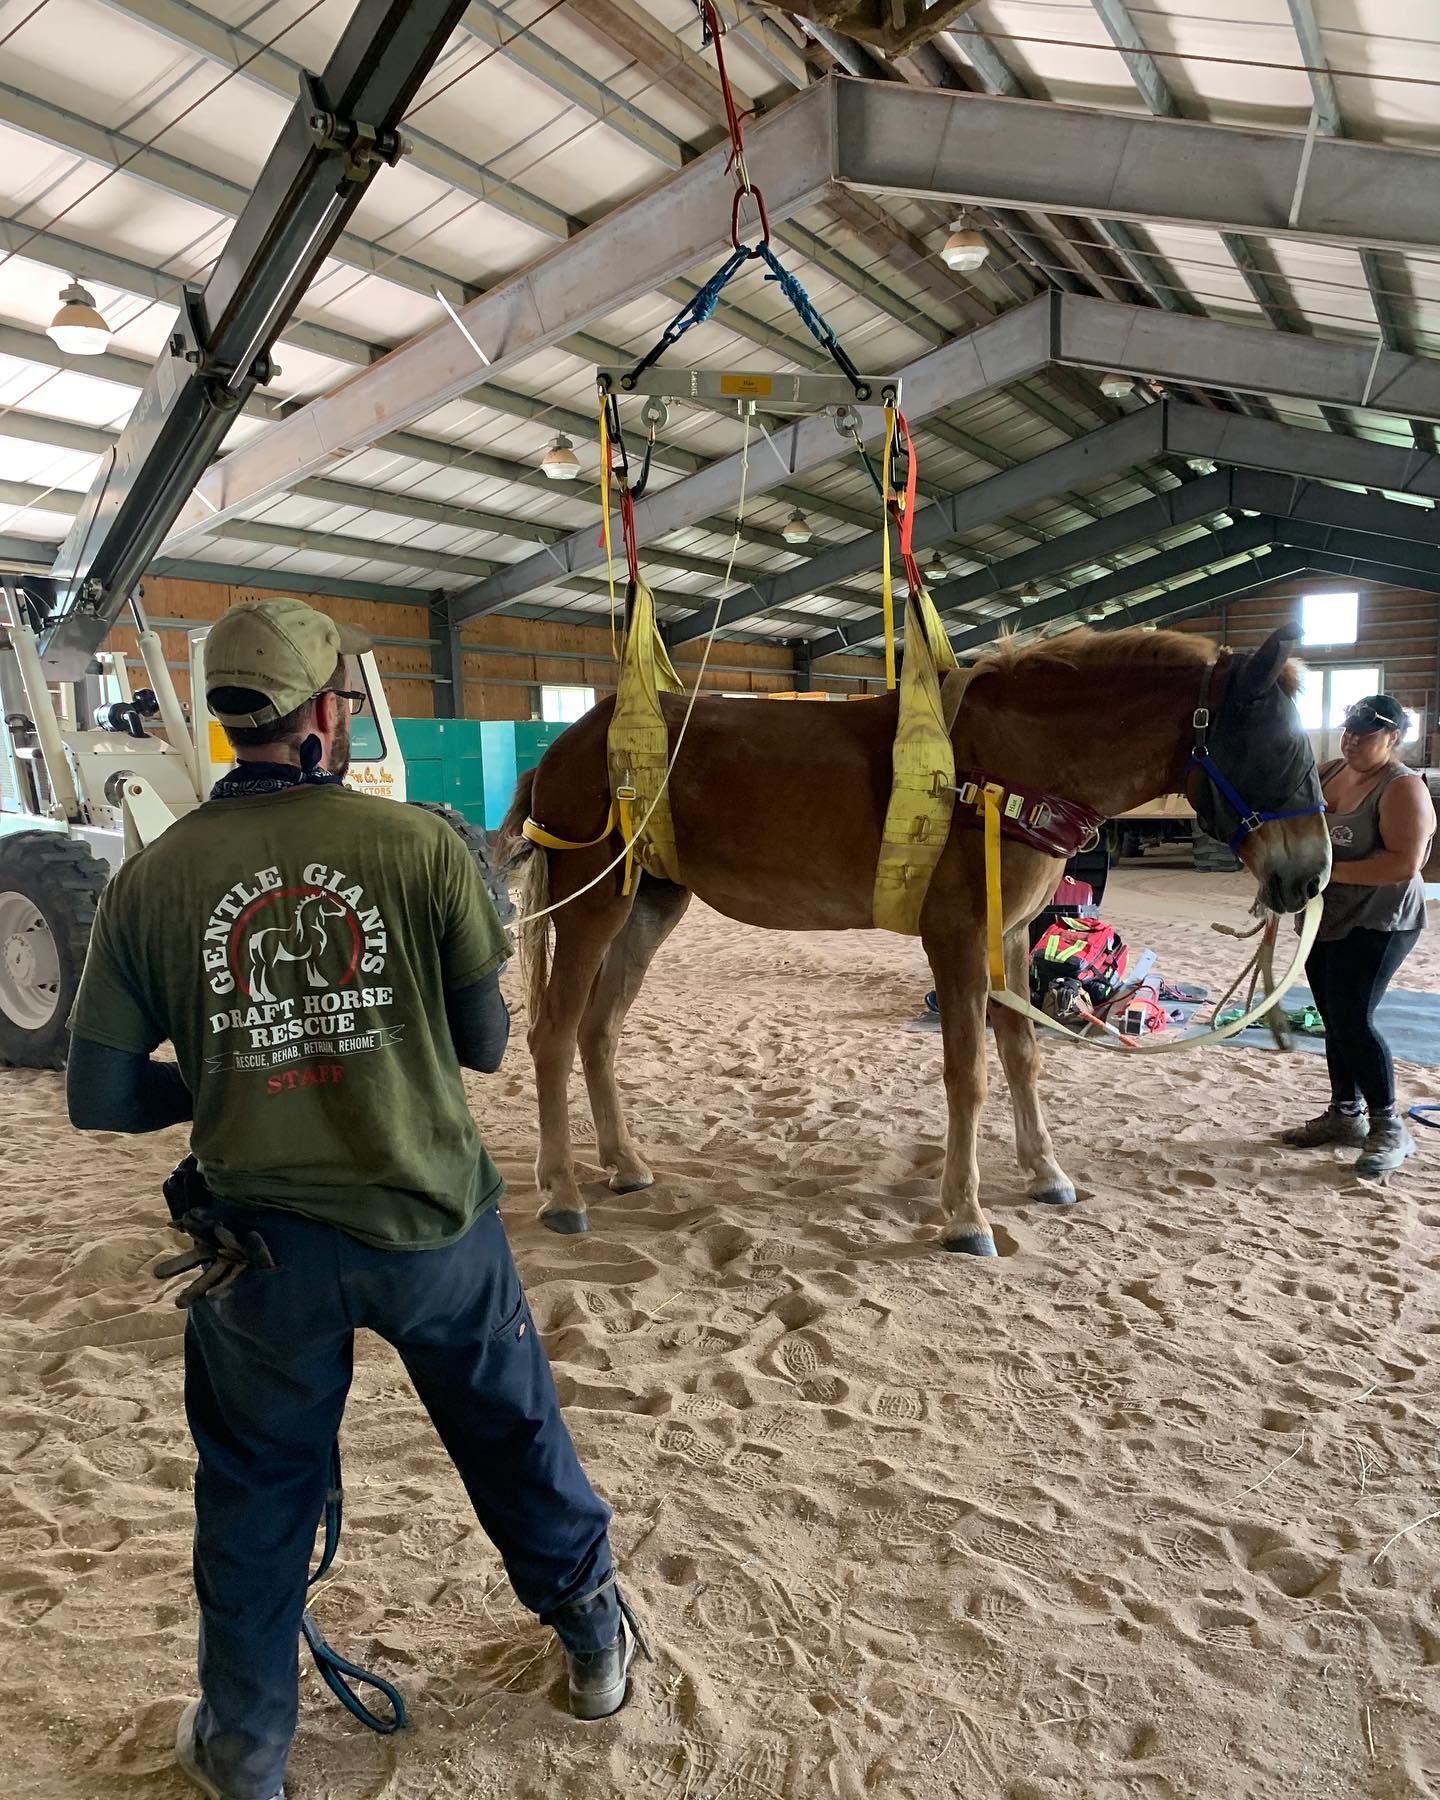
(775, 392)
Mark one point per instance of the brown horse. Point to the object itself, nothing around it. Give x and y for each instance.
(778, 813)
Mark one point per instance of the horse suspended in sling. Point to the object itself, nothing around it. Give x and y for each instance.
(778, 813)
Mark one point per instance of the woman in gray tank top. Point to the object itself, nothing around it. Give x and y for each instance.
(1381, 822)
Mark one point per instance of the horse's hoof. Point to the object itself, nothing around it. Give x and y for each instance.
(973, 1243)
(630, 1184)
(1055, 1193)
(566, 1220)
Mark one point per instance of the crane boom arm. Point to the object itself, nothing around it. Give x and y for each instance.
(345, 123)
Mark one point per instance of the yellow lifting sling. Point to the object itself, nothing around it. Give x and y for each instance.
(922, 799)
(639, 744)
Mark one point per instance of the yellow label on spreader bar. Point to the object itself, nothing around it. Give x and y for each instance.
(758, 387)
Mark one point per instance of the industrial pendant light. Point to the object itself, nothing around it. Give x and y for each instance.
(560, 462)
(965, 250)
(78, 328)
(796, 529)
(1117, 387)
(934, 567)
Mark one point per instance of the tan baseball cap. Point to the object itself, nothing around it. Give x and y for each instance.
(282, 649)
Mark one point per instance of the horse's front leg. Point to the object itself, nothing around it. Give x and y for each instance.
(1020, 1058)
(958, 965)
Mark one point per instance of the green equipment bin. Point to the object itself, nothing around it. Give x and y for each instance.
(507, 748)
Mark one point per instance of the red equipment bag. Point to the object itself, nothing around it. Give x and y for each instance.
(1082, 950)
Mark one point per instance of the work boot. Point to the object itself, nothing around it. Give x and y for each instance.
(1386, 1148)
(598, 1682)
(1329, 1127)
(187, 1755)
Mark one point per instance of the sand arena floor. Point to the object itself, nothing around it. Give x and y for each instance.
(1114, 1515)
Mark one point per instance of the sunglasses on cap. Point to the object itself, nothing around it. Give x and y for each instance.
(1364, 718)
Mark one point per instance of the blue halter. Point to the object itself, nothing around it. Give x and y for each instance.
(1248, 818)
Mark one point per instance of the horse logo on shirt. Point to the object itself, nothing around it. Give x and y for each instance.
(304, 941)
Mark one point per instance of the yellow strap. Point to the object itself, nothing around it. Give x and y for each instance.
(547, 840)
(638, 743)
(888, 590)
(922, 789)
(624, 805)
(605, 522)
(994, 907)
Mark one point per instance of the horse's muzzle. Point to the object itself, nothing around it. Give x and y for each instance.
(1291, 861)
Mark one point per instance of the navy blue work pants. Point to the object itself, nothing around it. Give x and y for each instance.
(267, 1369)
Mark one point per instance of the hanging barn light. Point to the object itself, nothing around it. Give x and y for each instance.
(560, 462)
(79, 327)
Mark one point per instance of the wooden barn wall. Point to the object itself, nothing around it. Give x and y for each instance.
(191, 603)
(1399, 628)
(506, 659)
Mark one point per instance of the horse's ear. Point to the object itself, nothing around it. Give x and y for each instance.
(1261, 671)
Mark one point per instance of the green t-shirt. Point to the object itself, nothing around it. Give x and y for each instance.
(296, 948)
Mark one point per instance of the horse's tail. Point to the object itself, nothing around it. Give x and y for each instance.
(532, 896)
(532, 893)
(511, 845)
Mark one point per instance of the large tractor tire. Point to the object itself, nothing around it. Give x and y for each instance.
(1211, 855)
(50, 885)
(474, 842)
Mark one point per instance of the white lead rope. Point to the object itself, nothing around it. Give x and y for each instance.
(1212, 1034)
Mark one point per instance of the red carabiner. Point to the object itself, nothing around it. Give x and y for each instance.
(739, 200)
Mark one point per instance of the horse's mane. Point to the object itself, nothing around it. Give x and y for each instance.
(1131, 648)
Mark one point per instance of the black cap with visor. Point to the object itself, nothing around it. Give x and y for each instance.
(1376, 712)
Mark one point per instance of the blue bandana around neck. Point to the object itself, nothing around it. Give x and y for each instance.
(248, 779)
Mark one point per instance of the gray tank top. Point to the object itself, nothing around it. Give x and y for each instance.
(1400, 906)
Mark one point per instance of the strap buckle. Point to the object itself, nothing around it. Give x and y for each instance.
(1201, 719)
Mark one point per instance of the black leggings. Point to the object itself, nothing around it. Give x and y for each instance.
(1348, 978)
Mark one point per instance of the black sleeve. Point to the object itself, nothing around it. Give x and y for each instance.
(117, 1090)
(479, 1023)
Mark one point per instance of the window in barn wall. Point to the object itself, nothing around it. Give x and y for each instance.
(1328, 620)
(1326, 694)
(564, 705)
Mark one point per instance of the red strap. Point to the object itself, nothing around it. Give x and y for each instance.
(903, 507)
(627, 526)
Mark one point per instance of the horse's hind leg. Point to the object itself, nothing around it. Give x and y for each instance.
(659, 908)
(957, 963)
(584, 930)
(1020, 1058)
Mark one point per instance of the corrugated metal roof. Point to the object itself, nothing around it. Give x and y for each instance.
(518, 144)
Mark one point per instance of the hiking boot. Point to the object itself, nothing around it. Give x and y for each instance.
(1386, 1148)
(187, 1756)
(1330, 1127)
(598, 1683)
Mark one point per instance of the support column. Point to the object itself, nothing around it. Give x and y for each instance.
(800, 652)
(447, 661)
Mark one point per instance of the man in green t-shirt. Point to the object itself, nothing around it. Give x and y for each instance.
(324, 962)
